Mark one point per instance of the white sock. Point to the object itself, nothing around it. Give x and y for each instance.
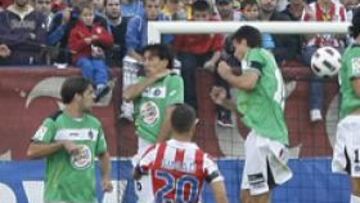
(354, 199)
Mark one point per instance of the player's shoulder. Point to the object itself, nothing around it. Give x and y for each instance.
(55, 116)
(93, 119)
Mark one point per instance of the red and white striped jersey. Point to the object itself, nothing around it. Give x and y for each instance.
(336, 13)
(178, 171)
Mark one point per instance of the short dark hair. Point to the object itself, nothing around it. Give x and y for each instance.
(162, 51)
(354, 28)
(251, 34)
(85, 5)
(200, 5)
(183, 118)
(245, 3)
(72, 86)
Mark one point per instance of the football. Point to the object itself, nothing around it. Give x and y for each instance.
(326, 62)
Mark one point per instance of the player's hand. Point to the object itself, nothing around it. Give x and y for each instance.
(107, 185)
(70, 147)
(224, 70)
(218, 95)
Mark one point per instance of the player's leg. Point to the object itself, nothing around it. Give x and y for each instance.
(346, 158)
(254, 186)
(143, 186)
(355, 196)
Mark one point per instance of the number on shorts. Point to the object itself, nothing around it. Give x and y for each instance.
(179, 185)
(357, 158)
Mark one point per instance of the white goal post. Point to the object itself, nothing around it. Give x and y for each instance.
(155, 29)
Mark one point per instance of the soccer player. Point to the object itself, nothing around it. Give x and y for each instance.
(153, 96)
(70, 140)
(178, 167)
(260, 102)
(346, 158)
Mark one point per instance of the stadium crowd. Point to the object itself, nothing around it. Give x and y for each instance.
(98, 36)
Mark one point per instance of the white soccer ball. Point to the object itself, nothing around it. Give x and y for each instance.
(326, 62)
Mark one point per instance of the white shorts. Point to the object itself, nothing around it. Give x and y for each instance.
(265, 164)
(143, 186)
(346, 157)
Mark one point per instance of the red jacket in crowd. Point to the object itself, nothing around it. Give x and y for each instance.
(199, 43)
(78, 45)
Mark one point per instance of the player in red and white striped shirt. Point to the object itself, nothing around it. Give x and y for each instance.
(178, 168)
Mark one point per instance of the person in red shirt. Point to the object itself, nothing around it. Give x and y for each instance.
(87, 42)
(194, 51)
(179, 168)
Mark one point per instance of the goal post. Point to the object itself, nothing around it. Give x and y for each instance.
(155, 29)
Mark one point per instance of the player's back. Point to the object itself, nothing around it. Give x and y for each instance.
(178, 171)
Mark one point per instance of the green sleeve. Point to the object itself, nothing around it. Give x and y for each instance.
(175, 92)
(46, 132)
(101, 145)
(254, 61)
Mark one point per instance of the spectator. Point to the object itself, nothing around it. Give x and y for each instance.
(196, 51)
(44, 7)
(226, 11)
(251, 12)
(136, 35)
(23, 31)
(61, 25)
(298, 10)
(99, 6)
(4, 51)
(130, 8)
(88, 41)
(118, 26)
(324, 10)
(285, 45)
(172, 8)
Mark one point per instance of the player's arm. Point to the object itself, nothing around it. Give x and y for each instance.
(106, 171)
(218, 188)
(135, 90)
(42, 143)
(101, 150)
(39, 150)
(146, 160)
(215, 179)
(218, 95)
(246, 81)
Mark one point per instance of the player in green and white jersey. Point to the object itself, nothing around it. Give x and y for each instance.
(346, 156)
(260, 102)
(154, 96)
(70, 140)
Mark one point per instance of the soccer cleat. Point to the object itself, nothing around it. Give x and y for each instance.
(101, 91)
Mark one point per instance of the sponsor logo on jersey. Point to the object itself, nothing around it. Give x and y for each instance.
(150, 113)
(355, 63)
(40, 133)
(83, 159)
